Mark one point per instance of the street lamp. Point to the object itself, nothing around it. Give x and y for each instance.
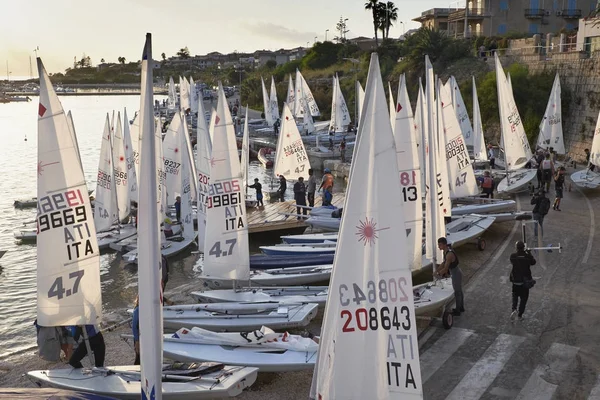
(307, 44)
(356, 64)
(326, 30)
(403, 28)
(315, 39)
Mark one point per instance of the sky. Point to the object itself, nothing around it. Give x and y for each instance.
(64, 29)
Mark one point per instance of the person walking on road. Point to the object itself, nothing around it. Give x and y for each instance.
(300, 196)
(450, 265)
(559, 181)
(311, 188)
(521, 279)
(547, 168)
(541, 207)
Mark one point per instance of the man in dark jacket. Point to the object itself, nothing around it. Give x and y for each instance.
(521, 279)
(541, 206)
(300, 195)
(282, 188)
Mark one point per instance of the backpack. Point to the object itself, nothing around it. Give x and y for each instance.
(544, 206)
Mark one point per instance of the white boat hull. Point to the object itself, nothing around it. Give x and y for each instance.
(124, 383)
(430, 296)
(169, 248)
(106, 238)
(310, 238)
(26, 235)
(485, 207)
(586, 179)
(299, 294)
(284, 317)
(517, 181)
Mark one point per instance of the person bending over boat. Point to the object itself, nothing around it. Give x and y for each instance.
(450, 265)
(97, 346)
(259, 195)
(521, 279)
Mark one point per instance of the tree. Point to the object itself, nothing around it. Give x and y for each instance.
(102, 60)
(121, 60)
(373, 6)
(164, 56)
(183, 53)
(271, 64)
(391, 15)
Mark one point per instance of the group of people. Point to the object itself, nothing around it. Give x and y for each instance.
(302, 191)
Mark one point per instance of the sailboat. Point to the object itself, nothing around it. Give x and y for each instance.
(203, 161)
(479, 149)
(340, 117)
(245, 160)
(351, 353)
(360, 96)
(273, 101)
(551, 132)
(267, 105)
(291, 94)
(517, 152)
(83, 303)
(587, 178)
(172, 100)
(392, 107)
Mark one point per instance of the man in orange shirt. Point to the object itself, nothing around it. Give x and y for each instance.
(327, 186)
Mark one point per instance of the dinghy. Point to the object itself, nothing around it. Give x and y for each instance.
(26, 235)
(238, 316)
(431, 296)
(263, 349)
(517, 152)
(266, 156)
(106, 238)
(282, 295)
(262, 261)
(26, 203)
(352, 349)
(299, 250)
(208, 381)
(551, 132)
(310, 238)
(484, 206)
(587, 178)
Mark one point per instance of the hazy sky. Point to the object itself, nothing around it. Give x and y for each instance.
(109, 29)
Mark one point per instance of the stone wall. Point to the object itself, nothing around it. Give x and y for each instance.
(580, 74)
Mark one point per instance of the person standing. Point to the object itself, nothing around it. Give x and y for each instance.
(276, 127)
(491, 157)
(97, 346)
(311, 188)
(450, 265)
(300, 196)
(259, 195)
(559, 181)
(327, 186)
(541, 207)
(282, 188)
(547, 167)
(343, 150)
(178, 208)
(521, 279)
(135, 328)
(487, 185)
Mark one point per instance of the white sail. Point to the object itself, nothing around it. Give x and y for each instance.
(226, 249)
(74, 136)
(188, 145)
(303, 90)
(193, 95)
(595, 150)
(461, 177)
(184, 94)
(105, 208)
(551, 132)
(479, 151)
(273, 101)
(172, 101)
(291, 159)
(211, 126)
(340, 118)
(160, 173)
(509, 83)
(187, 188)
(441, 167)
(309, 125)
(334, 108)
(203, 157)
(461, 112)
(298, 112)
(392, 107)
(360, 95)
(291, 95)
(68, 259)
(136, 136)
(267, 104)
(129, 157)
(149, 263)
(120, 171)
(420, 135)
(410, 175)
(171, 147)
(359, 357)
(436, 200)
(516, 146)
(245, 158)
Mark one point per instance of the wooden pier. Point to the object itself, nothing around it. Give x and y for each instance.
(275, 217)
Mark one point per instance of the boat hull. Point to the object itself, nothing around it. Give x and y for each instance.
(586, 179)
(517, 181)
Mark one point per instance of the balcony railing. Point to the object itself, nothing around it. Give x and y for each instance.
(473, 13)
(534, 12)
(571, 13)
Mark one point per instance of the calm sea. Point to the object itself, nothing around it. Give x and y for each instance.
(18, 160)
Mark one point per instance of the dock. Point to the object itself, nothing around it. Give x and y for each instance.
(274, 217)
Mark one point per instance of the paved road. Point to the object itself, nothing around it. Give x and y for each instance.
(554, 353)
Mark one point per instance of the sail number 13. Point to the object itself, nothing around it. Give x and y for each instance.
(408, 180)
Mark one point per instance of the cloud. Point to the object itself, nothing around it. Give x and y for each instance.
(278, 33)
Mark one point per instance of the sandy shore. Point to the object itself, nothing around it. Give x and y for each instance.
(269, 386)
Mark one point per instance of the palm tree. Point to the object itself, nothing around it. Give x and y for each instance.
(391, 15)
(381, 18)
(121, 60)
(373, 6)
(164, 56)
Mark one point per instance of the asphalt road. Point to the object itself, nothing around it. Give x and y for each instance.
(554, 353)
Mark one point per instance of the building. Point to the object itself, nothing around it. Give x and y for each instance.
(588, 35)
(364, 43)
(499, 17)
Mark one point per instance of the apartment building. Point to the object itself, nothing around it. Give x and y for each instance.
(499, 17)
